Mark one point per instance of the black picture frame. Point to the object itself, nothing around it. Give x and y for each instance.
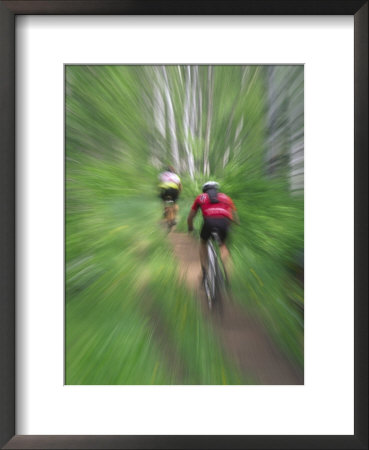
(8, 12)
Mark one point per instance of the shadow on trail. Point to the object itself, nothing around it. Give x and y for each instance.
(243, 338)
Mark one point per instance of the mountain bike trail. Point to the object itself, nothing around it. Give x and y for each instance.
(244, 339)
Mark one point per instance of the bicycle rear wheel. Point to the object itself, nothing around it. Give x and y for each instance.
(213, 279)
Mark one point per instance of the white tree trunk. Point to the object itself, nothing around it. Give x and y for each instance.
(171, 122)
(208, 123)
(186, 124)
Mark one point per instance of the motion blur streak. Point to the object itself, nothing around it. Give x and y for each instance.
(131, 317)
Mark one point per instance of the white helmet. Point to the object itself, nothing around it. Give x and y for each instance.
(209, 185)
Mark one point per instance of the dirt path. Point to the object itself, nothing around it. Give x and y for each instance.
(242, 337)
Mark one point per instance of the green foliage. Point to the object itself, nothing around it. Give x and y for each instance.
(125, 304)
(129, 319)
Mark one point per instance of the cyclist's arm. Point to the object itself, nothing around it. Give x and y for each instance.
(190, 218)
(235, 219)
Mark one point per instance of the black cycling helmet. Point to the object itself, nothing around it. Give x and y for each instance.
(210, 185)
(211, 188)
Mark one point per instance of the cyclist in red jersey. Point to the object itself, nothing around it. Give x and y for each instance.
(218, 212)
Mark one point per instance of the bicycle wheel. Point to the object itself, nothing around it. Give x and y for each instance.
(210, 283)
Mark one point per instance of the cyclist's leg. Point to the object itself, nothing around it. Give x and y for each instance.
(203, 255)
(226, 259)
(223, 230)
(169, 214)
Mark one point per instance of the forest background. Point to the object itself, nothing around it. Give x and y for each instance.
(240, 125)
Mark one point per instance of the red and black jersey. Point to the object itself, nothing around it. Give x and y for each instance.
(221, 209)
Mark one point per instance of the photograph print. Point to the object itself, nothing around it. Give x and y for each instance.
(184, 224)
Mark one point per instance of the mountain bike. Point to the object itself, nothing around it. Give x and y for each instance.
(214, 277)
(170, 210)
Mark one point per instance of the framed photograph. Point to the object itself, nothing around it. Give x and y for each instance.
(121, 125)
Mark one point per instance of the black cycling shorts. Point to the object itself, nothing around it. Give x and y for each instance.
(169, 194)
(221, 225)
